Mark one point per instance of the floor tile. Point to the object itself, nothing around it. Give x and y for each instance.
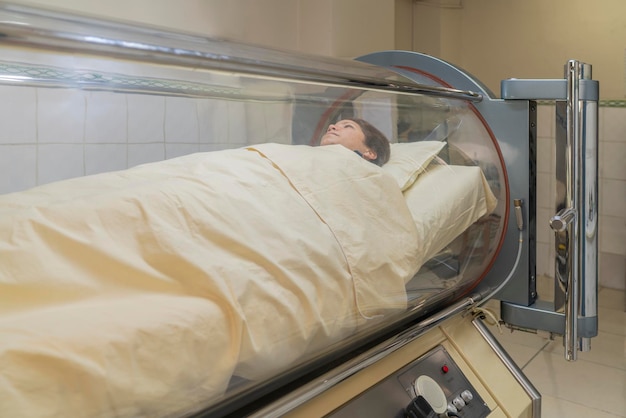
(612, 299)
(559, 408)
(606, 349)
(612, 321)
(594, 385)
(527, 339)
(520, 354)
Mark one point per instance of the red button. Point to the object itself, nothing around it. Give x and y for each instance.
(445, 369)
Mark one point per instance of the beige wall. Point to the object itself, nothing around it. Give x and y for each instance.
(491, 39)
(268, 22)
(498, 39)
(341, 28)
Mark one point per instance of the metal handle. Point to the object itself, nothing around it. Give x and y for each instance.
(563, 219)
(575, 224)
(573, 138)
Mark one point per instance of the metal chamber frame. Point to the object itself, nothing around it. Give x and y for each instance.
(573, 313)
(511, 119)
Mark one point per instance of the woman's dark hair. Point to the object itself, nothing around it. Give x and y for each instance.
(375, 140)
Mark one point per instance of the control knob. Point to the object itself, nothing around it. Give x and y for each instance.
(452, 408)
(427, 387)
(458, 402)
(467, 396)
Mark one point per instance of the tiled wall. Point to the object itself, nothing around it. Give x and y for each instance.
(612, 193)
(49, 134)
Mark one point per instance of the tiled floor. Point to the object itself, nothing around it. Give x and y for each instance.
(594, 385)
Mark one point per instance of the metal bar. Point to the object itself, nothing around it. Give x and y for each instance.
(570, 339)
(542, 316)
(350, 368)
(508, 362)
(37, 28)
(588, 204)
(545, 89)
(581, 195)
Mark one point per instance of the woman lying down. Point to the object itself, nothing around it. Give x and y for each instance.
(142, 292)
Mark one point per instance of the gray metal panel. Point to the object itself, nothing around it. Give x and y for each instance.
(542, 312)
(512, 123)
(390, 397)
(539, 89)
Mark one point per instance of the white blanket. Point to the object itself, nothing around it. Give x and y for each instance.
(140, 292)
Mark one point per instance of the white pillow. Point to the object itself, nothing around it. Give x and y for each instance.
(445, 201)
(409, 159)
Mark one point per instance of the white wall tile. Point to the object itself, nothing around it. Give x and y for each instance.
(61, 115)
(613, 157)
(220, 123)
(256, 129)
(268, 122)
(237, 133)
(18, 115)
(100, 158)
(145, 153)
(601, 111)
(106, 120)
(544, 232)
(545, 158)
(612, 234)
(613, 124)
(612, 270)
(206, 111)
(214, 147)
(545, 191)
(18, 167)
(181, 120)
(278, 121)
(59, 162)
(178, 150)
(146, 118)
(545, 260)
(545, 121)
(613, 198)
(215, 124)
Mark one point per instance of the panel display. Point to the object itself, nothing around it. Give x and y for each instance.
(435, 378)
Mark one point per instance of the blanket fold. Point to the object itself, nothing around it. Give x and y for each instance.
(140, 292)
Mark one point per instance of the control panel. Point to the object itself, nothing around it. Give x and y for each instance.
(432, 386)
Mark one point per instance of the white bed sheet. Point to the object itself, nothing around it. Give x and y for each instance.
(445, 201)
(141, 292)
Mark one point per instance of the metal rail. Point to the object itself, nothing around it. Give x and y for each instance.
(46, 29)
(510, 364)
(575, 224)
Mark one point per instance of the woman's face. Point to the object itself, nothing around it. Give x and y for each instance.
(346, 133)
